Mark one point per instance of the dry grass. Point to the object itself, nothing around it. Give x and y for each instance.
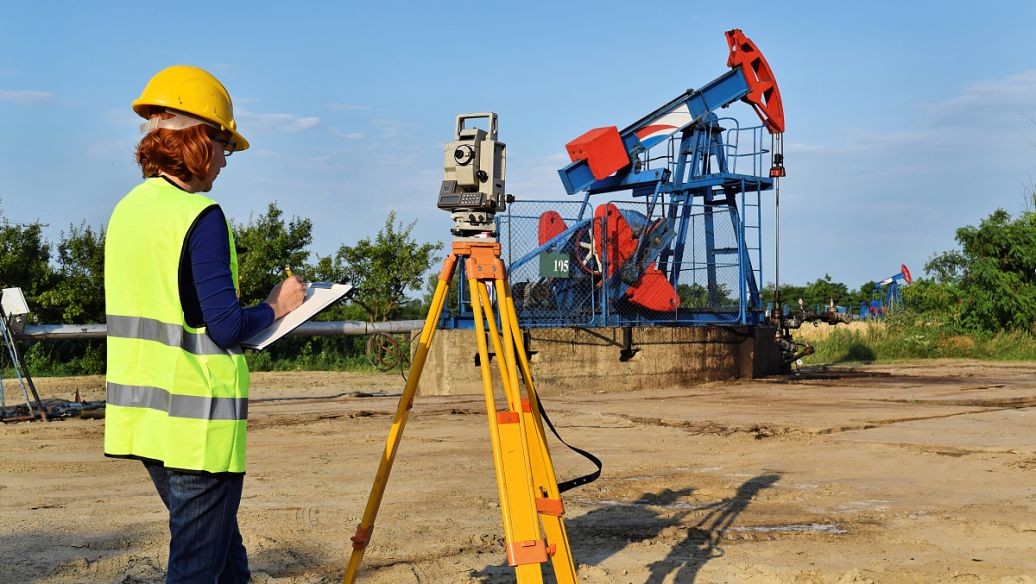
(808, 332)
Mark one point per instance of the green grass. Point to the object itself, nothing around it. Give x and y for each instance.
(323, 361)
(315, 354)
(69, 358)
(903, 336)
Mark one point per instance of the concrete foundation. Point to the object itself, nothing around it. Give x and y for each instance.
(608, 359)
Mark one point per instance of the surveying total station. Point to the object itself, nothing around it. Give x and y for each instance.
(473, 182)
(530, 500)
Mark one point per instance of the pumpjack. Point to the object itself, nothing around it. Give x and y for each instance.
(886, 295)
(637, 264)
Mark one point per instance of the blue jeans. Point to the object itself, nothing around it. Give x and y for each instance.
(205, 544)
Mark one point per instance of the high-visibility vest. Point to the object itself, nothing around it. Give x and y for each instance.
(174, 395)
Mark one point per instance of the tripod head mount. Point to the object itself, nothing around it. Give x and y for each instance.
(472, 189)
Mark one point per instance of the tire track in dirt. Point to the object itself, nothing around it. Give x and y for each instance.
(761, 431)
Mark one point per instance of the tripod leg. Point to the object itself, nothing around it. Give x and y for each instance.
(548, 498)
(28, 379)
(526, 549)
(16, 364)
(510, 377)
(406, 401)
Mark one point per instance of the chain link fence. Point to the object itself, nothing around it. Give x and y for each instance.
(622, 262)
(543, 243)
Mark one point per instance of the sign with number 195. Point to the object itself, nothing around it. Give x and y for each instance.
(554, 265)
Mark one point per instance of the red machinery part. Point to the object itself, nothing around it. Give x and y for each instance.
(602, 149)
(551, 225)
(619, 235)
(654, 292)
(763, 94)
(906, 274)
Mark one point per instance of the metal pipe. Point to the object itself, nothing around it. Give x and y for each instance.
(777, 227)
(63, 331)
(308, 329)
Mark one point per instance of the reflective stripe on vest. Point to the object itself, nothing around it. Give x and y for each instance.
(180, 406)
(173, 335)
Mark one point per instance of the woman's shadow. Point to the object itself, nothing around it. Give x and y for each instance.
(599, 534)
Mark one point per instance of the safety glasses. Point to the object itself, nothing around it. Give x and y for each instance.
(228, 146)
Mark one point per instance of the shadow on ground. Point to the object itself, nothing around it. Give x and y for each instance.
(132, 556)
(665, 516)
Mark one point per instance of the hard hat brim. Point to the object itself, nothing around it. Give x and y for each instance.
(240, 143)
(143, 107)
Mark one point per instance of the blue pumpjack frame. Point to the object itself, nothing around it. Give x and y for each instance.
(700, 175)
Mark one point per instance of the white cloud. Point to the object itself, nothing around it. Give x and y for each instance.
(800, 147)
(25, 96)
(123, 117)
(869, 139)
(1018, 91)
(536, 177)
(394, 129)
(348, 107)
(111, 150)
(284, 123)
(558, 159)
(348, 135)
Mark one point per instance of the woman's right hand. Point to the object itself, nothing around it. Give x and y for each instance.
(287, 296)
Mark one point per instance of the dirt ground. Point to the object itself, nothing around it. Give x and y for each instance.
(917, 472)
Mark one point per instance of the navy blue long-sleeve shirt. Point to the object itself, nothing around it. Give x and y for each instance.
(207, 290)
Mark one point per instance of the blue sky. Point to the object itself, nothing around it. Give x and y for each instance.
(905, 120)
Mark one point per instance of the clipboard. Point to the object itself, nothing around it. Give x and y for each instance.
(319, 295)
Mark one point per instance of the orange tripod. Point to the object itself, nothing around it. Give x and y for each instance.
(529, 498)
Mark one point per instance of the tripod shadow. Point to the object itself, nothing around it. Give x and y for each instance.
(604, 532)
(703, 539)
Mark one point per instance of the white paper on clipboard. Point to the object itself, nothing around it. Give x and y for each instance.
(319, 295)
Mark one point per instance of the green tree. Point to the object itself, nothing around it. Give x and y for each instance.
(947, 267)
(265, 245)
(994, 271)
(383, 269)
(824, 290)
(73, 292)
(697, 296)
(790, 294)
(865, 293)
(942, 300)
(25, 259)
(452, 305)
(77, 293)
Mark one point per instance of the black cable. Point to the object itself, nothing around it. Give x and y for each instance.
(578, 481)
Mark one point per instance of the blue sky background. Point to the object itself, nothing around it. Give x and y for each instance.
(905, 120)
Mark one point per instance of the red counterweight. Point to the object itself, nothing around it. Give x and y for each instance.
(602, 149)
(764, 95)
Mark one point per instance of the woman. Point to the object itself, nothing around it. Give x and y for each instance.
(177, 382)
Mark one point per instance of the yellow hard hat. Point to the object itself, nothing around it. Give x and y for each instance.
(193, 91)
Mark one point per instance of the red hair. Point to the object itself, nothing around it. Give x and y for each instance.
(185, 154)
